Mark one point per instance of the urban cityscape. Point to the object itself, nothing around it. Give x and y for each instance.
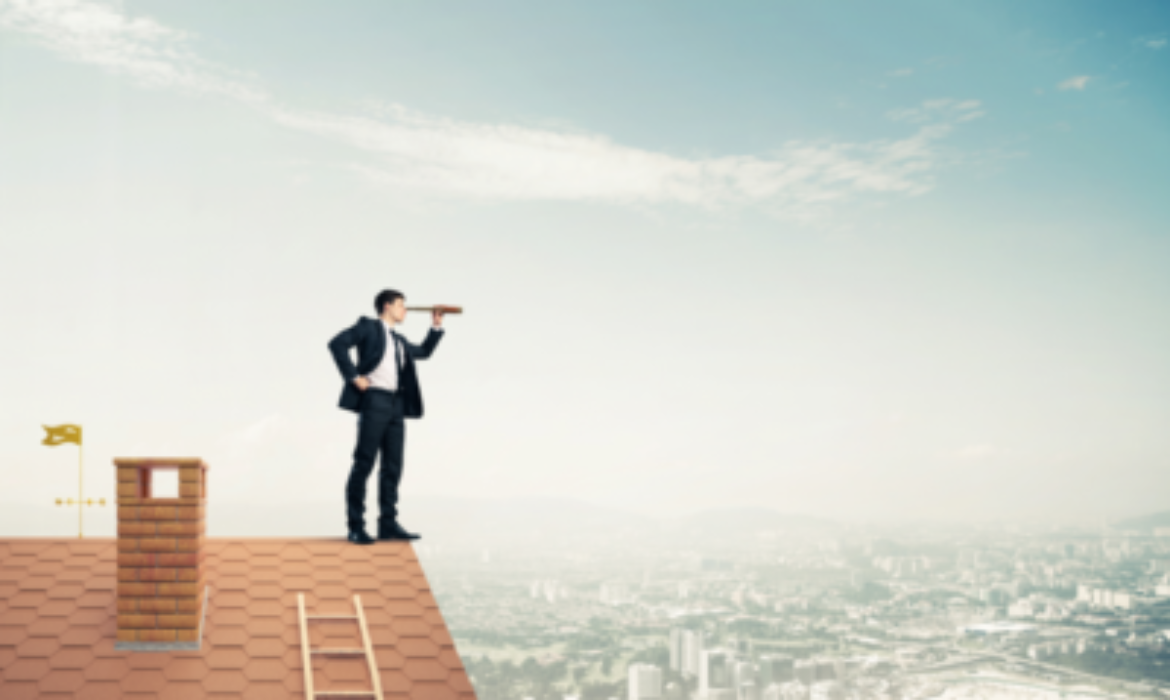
(770, 608)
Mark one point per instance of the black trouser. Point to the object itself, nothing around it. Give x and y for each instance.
(380, 427)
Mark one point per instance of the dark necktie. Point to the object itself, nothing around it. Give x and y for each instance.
(397, 362)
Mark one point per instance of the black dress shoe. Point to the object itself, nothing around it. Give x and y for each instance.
(395, 532)
(360, 537)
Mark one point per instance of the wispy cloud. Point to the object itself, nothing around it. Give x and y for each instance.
(511, 162)
(945, 110)
(395, 145)
(1077, 82)
(1157, 42)
(900, 73)
(147, 52)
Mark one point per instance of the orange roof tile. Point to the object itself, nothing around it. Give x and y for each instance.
(58, 621)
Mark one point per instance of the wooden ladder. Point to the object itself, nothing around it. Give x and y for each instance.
(368, 650)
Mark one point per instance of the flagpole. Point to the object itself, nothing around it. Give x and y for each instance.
(80, 490)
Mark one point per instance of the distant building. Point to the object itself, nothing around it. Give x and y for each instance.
(1104, 598)
(786, 691)
(714, 673)
(549, 589)
(744, 674)
(692, 653)
(1022, 608)
(775, 668)
(645, 682)
(826, 670)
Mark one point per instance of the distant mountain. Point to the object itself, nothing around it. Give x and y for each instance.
(1144, 522)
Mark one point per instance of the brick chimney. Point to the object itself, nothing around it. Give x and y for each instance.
(161, 584)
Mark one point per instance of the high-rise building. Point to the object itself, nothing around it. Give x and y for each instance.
(645, 682)
(714, 673)
(676, 649)
(692, 652)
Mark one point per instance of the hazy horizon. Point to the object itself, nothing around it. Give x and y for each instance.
(857, 262)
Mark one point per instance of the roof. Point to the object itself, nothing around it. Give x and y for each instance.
(58, 622)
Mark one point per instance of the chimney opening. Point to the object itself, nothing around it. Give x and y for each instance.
(164, 484)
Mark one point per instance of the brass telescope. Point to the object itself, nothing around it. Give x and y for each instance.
(437, 307)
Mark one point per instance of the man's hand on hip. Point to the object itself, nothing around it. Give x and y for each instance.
(362, 383)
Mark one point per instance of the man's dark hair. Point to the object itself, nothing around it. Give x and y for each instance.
(386, 296)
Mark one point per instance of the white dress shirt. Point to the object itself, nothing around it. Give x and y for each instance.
(384, 376)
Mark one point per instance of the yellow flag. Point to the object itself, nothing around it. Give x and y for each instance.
(58, 434)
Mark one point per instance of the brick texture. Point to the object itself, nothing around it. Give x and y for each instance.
(161, 578)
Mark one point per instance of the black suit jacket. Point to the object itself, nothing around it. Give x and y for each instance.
(369, 337)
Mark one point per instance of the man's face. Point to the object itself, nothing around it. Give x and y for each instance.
(398, 310)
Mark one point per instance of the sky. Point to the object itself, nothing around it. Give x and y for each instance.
(865, 262)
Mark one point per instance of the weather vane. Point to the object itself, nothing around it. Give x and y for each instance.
(59, 435)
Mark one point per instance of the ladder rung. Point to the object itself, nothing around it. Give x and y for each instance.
(367, 650)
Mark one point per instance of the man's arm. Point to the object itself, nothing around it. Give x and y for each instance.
(422, 352)
(340, 346)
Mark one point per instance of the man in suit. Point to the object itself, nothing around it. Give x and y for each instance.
(383, 390)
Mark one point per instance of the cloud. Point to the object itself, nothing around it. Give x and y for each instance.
(1077, 82)
(943, 109)
(405, 149)
(900, 73)
(500, 161)
(147, 52)
(1156, 43)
